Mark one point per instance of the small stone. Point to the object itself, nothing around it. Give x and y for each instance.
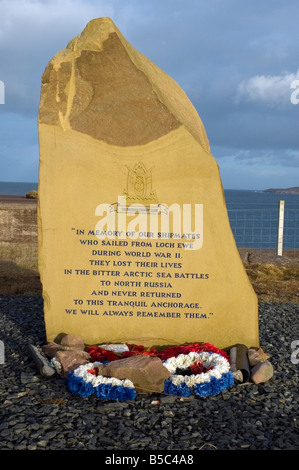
(262, 372)
(70, 360)
(238, 376)
(31, 447)
(256, 356)
(50, 349)
(42, 443)
(155, 402)
(168, 399)
(27, 378)
(73, 342)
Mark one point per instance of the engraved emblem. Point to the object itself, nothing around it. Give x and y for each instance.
(139, 186)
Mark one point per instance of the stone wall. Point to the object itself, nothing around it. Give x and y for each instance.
(18, 221)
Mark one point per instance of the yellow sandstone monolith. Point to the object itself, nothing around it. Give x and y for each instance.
(135, 243)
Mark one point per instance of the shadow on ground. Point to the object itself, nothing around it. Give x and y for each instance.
(18, 280)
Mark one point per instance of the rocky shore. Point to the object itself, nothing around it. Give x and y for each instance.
(40, 414)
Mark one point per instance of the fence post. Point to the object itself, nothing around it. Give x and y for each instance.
(280, 228)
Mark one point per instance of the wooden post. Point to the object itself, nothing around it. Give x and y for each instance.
(280, 228)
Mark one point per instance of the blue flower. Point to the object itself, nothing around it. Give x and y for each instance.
(181, 390)
(203, 390)
(214, 386)
(184, 390)
(130, 393)
(102, 391)
(114, 392)
(78, 387)
(169, 388)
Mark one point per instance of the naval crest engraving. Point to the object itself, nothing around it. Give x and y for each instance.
(139, 185)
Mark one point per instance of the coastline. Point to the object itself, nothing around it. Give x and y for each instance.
(294, 190)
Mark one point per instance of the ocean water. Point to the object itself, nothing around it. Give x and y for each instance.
(16, 189)
(253, 215)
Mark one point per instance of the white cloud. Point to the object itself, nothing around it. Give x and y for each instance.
(271, 90)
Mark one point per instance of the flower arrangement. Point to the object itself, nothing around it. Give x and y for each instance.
(139, 349)
(198, 368)
(97, 353)
(174, 351)
(85, 381)
(209, 374)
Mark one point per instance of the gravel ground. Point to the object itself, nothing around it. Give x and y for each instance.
(41, 414)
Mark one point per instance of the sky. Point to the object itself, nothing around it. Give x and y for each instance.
(237, 61)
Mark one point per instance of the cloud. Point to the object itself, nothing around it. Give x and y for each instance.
(247, 169)
(31, 33)
(265, 157)
(270, 90)
(235, 60)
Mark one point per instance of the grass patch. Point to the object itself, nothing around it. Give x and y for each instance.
(18, 269)
(17, 280)
(22, 254)
(275, 283)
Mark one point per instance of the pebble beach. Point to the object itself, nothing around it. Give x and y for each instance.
(38, 413)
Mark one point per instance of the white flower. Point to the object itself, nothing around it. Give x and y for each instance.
(82, 371)
(56, 364)
(219, 365)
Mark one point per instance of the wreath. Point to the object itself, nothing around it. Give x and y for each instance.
(204, 373)
(85, 381)
(198, 368)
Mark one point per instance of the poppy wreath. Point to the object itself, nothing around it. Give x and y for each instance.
(85, 381)
(198, 368)
(204, 374)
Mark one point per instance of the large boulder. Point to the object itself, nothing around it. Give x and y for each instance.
(147, 373)
(135, 244)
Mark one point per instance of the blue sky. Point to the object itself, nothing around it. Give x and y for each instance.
(235, 59)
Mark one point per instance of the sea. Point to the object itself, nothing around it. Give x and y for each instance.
(253, 215)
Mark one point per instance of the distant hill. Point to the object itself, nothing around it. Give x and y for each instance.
(294, 190)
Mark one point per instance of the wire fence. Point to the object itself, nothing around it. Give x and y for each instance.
(253, 228)
(258, 228)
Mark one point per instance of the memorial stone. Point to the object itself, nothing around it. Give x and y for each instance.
(135, 244)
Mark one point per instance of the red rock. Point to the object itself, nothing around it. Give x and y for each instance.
(70, 360)
(50, 349)
(147, 373)
(73, 342)
(255, 356)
